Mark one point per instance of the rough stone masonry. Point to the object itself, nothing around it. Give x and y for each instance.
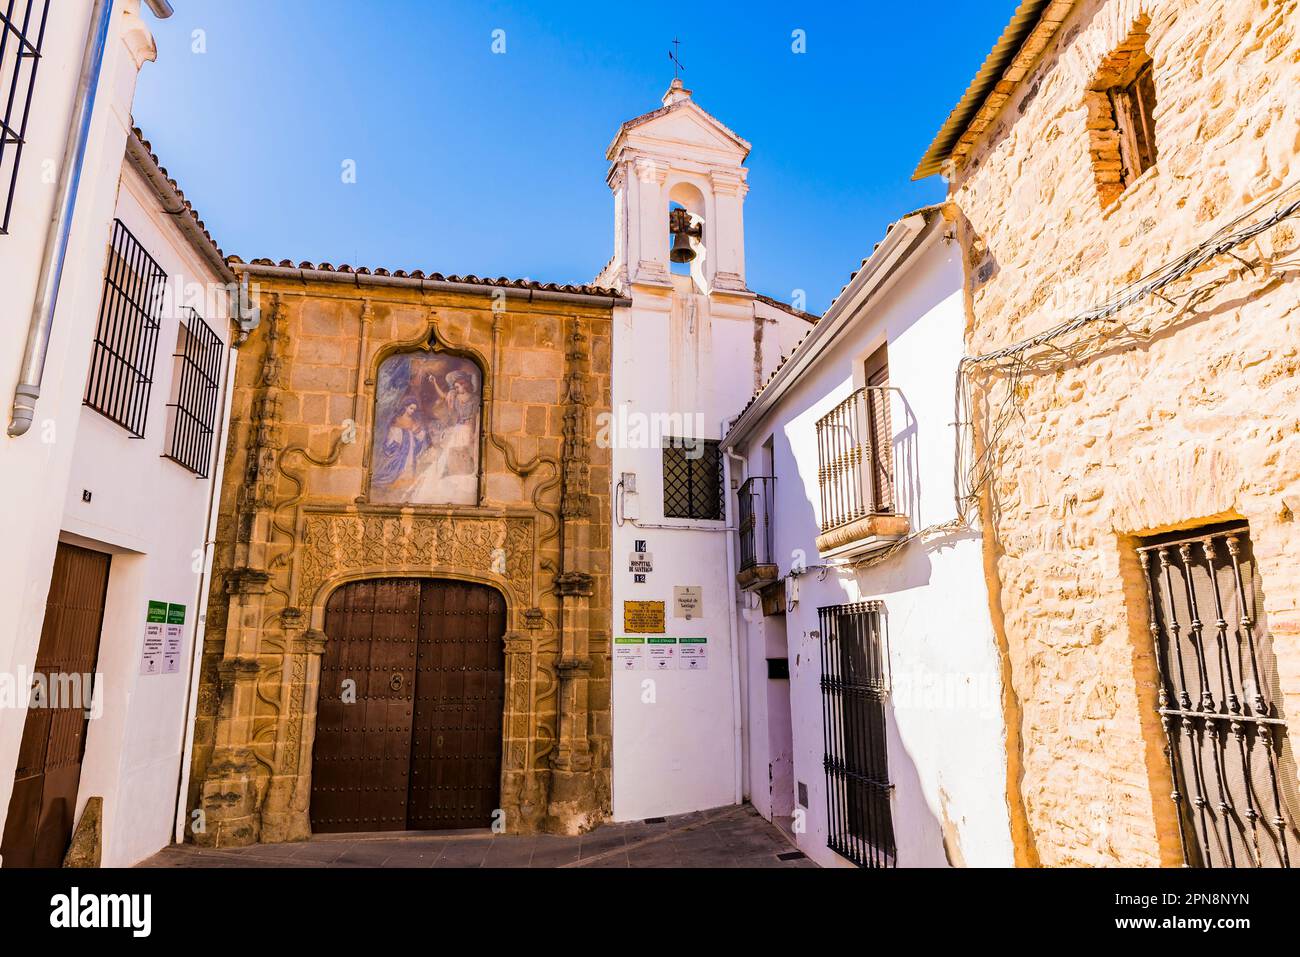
(1186, 413)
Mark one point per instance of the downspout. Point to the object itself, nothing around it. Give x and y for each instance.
(41, 325)
(734, 632)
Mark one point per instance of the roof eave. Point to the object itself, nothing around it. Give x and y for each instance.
(891, 254)
(1043, 17)
(472, 285)
(140, 155)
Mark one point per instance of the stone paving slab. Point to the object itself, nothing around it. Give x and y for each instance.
(722, 837)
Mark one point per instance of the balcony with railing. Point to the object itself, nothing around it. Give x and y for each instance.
(755, 502)
(855, 477)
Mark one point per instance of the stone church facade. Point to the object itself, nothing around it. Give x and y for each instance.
(397, 429)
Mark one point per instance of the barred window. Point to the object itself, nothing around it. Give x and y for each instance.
(693, 479)
(22, 31)
(1220, 700)
(879, 431)
(121, 365)
(192, 411)
(855, 451)
(860, 823)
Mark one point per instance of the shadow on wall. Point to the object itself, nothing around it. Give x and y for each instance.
(907, 469)
(923, 831)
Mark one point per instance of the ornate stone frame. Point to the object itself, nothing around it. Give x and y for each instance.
(431, 340)
(393, 540)
(255, 780)
(465, 544)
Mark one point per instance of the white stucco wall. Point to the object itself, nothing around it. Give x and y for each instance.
(151, 513)
(676, 753)
(693, 347)
(35, 468)
(946, 739)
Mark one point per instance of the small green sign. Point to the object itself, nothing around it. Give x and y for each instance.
(158, 611)
(175, 614)
(629, 641)
(663, 641)
(694, 641)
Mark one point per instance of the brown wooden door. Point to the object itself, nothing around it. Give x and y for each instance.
(459, 699)
(39, 824)
(362, 755)
(414, 742)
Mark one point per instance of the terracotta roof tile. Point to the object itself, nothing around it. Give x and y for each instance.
(469, 280)
(189, 208)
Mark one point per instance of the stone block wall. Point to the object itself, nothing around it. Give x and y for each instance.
(295, 521)
(1177, 414)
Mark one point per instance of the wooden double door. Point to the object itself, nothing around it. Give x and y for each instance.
(38, 827)
(409, 719)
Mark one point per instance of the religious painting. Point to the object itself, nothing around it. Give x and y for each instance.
(428, 409)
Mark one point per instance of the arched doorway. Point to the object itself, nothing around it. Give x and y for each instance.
(409, 718)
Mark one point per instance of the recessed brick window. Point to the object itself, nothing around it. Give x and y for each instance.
(1121, 106)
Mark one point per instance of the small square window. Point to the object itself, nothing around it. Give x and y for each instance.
(693, 479)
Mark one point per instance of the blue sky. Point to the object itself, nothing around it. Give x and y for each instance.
(473, 162)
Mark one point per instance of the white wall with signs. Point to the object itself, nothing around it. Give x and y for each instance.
(683, 366)
(151, 514)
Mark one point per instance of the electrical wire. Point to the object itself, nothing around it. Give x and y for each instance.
(1221, 242)
(976, 469)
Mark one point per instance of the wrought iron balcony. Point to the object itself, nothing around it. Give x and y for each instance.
(755, 503)
(855, 476)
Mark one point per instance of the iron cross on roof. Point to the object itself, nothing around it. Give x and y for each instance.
(673, 55)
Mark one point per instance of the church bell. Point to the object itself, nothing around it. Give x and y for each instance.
(679, 224)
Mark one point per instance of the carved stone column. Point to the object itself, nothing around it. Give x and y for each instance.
(523, 792)
(228, 796)
(573, 801)
(232, 789)
(573, 805)
(286, 812)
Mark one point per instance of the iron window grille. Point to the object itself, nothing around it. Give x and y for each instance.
(754, 519)
(21, 37)
(859, 817)
(855, 462)
(1219, 700)
(196, 391)
(121, 365)
(693, 479)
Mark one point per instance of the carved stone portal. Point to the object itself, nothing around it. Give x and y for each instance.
(297, 521)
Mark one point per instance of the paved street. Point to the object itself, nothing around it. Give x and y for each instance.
(723, 837)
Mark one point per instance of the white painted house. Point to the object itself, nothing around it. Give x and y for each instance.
(871, 683)
(109, 460)
(687, 354)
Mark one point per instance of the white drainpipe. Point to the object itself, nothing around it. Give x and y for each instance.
(734, 631)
